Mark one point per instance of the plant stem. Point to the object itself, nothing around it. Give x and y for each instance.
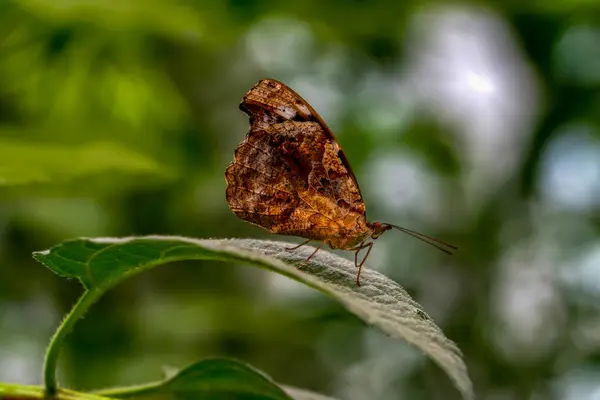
(130, 391)
(88, 298)
(10, 391)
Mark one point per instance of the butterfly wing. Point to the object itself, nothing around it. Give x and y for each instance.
(275, 102)
(261, 189)
(287, 175)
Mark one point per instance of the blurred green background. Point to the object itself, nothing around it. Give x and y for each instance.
(476, 122)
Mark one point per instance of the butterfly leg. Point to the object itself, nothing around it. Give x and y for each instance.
(312, 254)
(300, 245)
(357, 250)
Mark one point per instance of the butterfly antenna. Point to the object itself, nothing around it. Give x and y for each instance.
(427, 239)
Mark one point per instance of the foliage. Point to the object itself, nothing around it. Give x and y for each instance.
(118, 118)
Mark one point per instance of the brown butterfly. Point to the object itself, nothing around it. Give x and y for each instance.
(291, 177)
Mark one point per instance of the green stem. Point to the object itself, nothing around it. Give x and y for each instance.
(130, 391)
(10, 391)
(88, 298)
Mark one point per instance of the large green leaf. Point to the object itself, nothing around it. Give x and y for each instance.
(23, 164)
(103, 262)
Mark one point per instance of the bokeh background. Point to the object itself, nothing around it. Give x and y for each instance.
(476, 122)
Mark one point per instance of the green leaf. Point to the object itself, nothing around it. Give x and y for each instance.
(24, 163)
(216, 378)
(223, 376)
(103, 262)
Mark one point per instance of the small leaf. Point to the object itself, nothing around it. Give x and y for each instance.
(103, 262)
(215, 378)
(220, 376)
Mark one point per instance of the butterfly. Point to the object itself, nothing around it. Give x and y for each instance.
(291, 177)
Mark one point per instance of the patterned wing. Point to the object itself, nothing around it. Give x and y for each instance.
(271, 101)
(289, 175)
(261, 190)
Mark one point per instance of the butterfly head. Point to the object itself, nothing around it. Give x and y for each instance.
(378, 228)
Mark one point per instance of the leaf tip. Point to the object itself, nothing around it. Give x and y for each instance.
(40, 254)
